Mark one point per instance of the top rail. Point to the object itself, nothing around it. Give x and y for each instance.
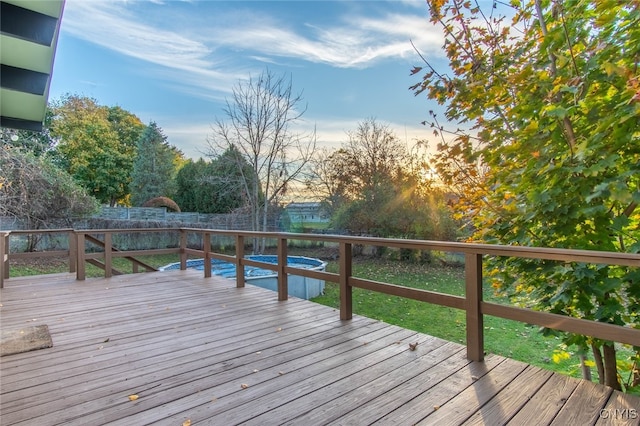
(545, 253)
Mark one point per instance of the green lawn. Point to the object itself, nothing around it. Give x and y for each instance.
(59, 265)
(503, 337)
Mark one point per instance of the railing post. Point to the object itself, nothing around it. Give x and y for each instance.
(80, 247)
(4, 257)
(206, 246)
(475, 323)
(73, 252)
(108, 258)
(134, 266)
(239, 257)
(346, 304)
(183, 250)
(283, 279)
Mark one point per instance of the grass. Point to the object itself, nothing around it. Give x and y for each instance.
(507, 338)
(54, 265)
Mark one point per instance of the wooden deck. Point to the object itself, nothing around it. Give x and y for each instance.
(201, 350)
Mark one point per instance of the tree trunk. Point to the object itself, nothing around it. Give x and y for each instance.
(264, 225)
(610, 367)
(597, 357)
(256, 210)
(32, 242)
(586, 371)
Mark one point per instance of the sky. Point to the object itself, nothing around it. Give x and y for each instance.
(176, 62)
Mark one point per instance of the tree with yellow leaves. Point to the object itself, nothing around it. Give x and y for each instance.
(549, 92)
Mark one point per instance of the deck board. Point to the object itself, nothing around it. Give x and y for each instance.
(383, 387)
(543, 407)
(186, 345)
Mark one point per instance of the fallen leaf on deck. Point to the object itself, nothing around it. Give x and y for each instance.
(133, 397)
(474, 377)
(281, 372)
(244, 386)
(255, 371)
(413, 346)
(186, 422)
(106, 340)
(436, 407)
(279, 329)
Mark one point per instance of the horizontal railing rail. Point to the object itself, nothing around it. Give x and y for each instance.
(472, 302)
(6, 255)
(82, 237)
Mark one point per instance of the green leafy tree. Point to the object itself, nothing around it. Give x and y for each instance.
(95, 144)
(231, 176)
(190, 192)
(35, 191)
(154, 167)
(216, 186)
(551, 101)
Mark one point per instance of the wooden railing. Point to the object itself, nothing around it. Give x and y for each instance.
(109, 252)
(5, 253)
(472, 303)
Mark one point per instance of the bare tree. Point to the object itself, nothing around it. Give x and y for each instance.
(258, 123)
(376, 153)
(329, 181)
(36, 192)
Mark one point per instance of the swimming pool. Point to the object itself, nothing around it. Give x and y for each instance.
(301, 287)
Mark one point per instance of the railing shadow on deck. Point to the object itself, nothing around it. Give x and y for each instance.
(472, 302)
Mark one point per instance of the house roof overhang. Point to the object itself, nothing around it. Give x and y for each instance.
(28, 38)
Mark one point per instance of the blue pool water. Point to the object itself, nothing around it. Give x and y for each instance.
(301, 287)
(228, 270)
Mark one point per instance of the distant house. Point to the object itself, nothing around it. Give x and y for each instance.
(308, 212)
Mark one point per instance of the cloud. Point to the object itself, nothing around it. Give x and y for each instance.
(402, 28)
(111, 25)
(108, 25)
(190, 138)
(356, 42)
(353, 41)
(202, 49)
(190, 134)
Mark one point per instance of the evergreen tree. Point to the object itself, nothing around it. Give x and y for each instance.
(153, 167)
(193, 194)
(213, 187)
